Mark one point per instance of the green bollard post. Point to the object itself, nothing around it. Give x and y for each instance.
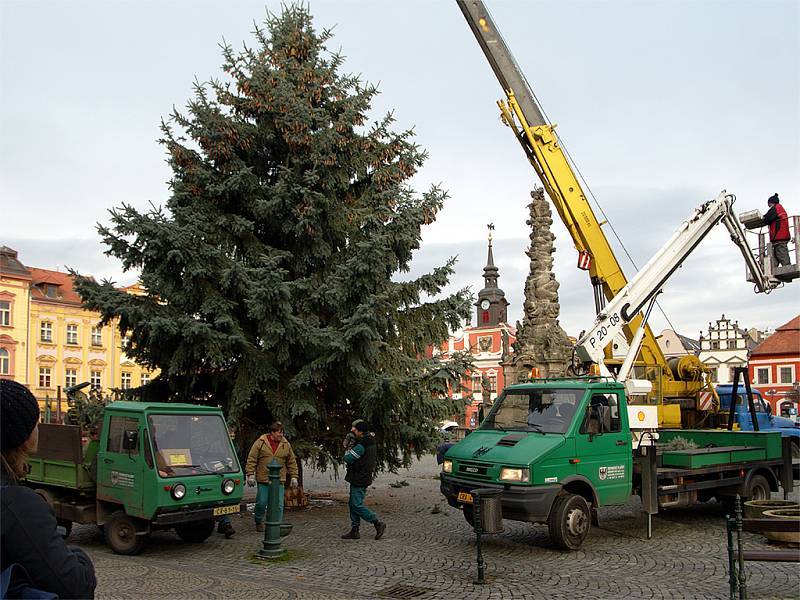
(272, 532)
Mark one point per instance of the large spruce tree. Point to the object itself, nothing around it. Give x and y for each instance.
(273, 273)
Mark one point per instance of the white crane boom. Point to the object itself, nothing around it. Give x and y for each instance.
(648, 282)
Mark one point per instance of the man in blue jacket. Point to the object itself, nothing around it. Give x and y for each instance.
(361, 459)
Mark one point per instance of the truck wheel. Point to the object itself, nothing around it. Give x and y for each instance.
(195, 531)
(469, 516)
(795, 449)
(67, 525)
(120, 533)
(757, 488)
(569, 521)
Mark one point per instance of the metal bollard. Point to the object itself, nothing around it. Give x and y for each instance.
(487, 516)
(272, 532)
(742, 574)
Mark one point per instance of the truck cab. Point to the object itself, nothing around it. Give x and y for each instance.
(151, 466)
(558, 446)
(764, 417)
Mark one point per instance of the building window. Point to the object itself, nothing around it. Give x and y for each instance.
(477, 387)
(51, 291)
(786, 375)
(714, 375)
(145, 378)
(5, 362)
(72, 333)
(44, 377)
(70, 377)
(97, 336)
(46, 331)
(125, 342)
(96, 379)
(5, 313)
(762, 375)
(125, 380)
(715, 345)
(493, 383)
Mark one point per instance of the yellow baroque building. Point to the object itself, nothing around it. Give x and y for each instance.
(48, 341)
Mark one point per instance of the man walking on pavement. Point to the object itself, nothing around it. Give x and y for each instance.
(361, 459)
(778, 222)
(268, 446)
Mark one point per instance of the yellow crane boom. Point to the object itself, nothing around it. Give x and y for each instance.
(674, 381)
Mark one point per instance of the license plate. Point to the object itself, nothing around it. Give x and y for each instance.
(465, 497)
(226, 510)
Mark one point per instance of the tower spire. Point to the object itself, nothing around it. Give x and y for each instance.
(492, 304)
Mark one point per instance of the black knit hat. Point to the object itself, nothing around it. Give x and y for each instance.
(19, 413)
(361, 426)
(773, 199)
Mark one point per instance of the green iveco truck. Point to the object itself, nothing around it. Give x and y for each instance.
(558, 449)
(150, 466)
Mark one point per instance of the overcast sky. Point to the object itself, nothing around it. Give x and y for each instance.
(661, 104)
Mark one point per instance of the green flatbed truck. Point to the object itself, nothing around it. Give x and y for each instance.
(559, 449)
(151, 466)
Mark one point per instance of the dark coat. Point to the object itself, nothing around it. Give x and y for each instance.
(30, 538)
(361, 460)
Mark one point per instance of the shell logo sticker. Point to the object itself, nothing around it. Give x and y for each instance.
(641, 416)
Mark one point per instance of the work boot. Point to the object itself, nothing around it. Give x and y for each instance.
(259, 527)
(380, 527)
(352, 534)
(228, 530)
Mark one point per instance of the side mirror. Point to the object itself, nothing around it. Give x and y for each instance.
(130, 440)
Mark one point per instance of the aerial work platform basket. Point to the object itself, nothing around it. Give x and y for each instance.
(762, 249)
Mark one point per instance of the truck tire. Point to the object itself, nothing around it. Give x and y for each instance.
(757, 488)
(195, 531)
(795, 449)
(569, 521)
(120, 534)
(469, 516)
(67, 525)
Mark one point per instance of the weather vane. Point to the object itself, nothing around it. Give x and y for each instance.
(490, 226)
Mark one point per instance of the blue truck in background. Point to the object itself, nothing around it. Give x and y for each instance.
(764, 417)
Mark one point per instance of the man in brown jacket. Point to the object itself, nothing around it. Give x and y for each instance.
(268, 446)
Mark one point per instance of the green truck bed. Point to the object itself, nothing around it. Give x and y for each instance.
(61, 459)
(719, 447)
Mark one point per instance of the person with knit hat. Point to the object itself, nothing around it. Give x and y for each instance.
(361, 460)
(34, 556)
(778, 222)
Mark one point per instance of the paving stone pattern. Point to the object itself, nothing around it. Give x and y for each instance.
(429, 546)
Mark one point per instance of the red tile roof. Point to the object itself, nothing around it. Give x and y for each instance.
(785, 340)
(43, 277)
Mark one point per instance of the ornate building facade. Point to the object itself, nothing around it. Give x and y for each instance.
(48, 341)
(488, 341)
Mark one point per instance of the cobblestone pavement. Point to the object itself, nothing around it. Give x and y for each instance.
(429, 546)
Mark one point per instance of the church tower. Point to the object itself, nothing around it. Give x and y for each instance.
(492, 305)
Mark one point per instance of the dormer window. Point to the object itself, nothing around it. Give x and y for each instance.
(50, 290)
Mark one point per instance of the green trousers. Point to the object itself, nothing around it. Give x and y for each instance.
(357, 509)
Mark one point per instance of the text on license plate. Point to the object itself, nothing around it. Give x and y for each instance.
(465, 497)
(226, 510)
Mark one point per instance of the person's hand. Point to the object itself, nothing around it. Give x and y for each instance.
(251, 480)
(293, 483)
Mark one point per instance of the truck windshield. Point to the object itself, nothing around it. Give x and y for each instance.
(191, 445)
(545, 411)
